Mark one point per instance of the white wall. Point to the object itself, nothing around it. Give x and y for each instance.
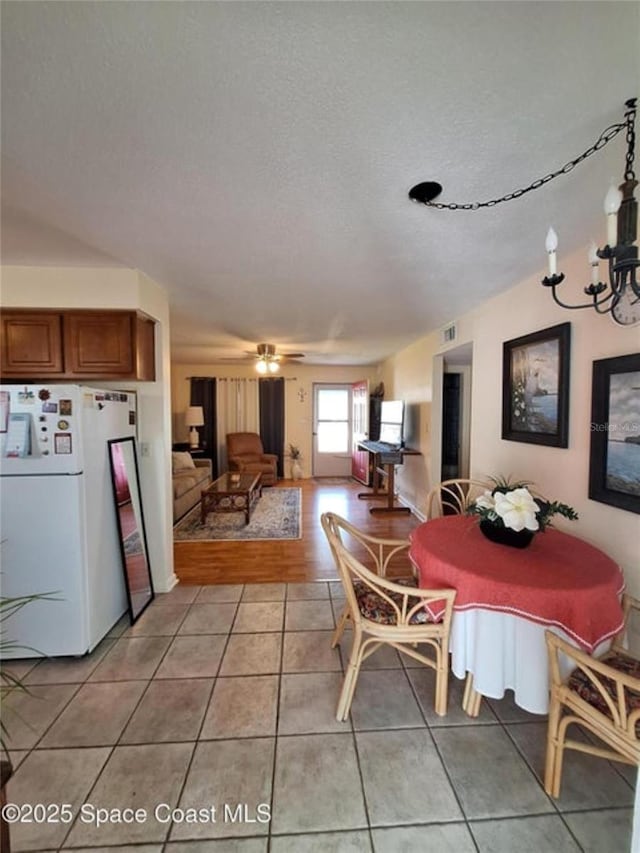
(75, 287)
(559, 473)
(299, 379)
(408, 376)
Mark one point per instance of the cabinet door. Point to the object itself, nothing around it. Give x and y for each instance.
(100, 343)
(31, 344)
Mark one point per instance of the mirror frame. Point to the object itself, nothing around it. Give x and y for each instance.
(127, 498)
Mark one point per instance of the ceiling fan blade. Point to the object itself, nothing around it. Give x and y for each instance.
(292, 355)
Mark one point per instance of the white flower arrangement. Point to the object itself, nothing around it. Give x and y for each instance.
(512, 505)
(516, 509)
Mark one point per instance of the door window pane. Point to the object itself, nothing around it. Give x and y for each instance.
(333, 437)
(333, 405)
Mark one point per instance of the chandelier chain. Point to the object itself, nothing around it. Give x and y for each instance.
(605, 137)
(629, 174)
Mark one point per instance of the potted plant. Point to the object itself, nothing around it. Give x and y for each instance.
(511, 515)
(296, 458)
(8, 681)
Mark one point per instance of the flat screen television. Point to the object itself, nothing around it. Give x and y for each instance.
(392, 422)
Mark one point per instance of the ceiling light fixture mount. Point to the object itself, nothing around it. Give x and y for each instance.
(425, 192)
(621, 297)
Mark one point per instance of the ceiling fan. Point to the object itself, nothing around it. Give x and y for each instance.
(269, 361)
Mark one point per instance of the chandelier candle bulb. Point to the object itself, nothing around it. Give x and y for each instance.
(612, 202)
(551, 244)
(594, 261)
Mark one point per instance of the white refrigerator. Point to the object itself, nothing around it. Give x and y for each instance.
(58, 526)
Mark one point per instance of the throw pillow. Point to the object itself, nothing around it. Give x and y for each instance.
(181, 461)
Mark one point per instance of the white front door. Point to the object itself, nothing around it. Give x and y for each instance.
(331, 430)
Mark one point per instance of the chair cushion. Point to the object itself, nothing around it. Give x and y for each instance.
(580, 682)
(375, 608)
(181, 461)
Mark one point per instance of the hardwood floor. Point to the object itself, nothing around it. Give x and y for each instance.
(305, 559)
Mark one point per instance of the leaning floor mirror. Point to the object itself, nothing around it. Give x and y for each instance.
(133, 539)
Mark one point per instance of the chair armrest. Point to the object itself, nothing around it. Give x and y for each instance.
(269, 457)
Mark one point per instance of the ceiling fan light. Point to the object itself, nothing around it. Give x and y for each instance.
(273, 366)
(261, 366)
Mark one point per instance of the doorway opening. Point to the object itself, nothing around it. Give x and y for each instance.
(451, 428)
(332, 429)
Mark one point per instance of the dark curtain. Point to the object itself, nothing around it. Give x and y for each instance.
(203, 393)
(272, 418)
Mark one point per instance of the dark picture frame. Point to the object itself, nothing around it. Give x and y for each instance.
(535, 387)
(614, 463)
(134, 551)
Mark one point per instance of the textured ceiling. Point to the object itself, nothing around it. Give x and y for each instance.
(255, 158)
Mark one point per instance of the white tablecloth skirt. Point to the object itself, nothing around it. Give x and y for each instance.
(504, 652)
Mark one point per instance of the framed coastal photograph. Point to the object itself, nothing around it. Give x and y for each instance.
(535, 387)
(614, 465)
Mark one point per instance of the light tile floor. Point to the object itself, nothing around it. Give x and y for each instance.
(224, 697)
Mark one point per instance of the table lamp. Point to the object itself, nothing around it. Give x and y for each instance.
(194, 417)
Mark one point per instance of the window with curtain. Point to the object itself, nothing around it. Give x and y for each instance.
(237, 402)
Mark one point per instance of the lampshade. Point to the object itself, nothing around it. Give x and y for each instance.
(194, 416)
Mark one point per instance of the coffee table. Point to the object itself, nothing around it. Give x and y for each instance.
(231, 493)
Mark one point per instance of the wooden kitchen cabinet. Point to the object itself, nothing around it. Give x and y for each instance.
(77, 345)
(31, 344)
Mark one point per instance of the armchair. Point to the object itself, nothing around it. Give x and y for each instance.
(245, 453)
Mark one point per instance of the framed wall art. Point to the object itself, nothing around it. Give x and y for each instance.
(614, 465)
(535, 387)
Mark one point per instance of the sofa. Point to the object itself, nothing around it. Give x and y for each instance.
(245, 453)
(190, 476)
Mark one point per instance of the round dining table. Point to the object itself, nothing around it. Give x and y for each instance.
(507, 597)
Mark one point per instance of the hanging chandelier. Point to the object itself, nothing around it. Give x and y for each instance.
(621, 295)
(268, 361)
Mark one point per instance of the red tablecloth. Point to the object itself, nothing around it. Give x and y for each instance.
(558, 580)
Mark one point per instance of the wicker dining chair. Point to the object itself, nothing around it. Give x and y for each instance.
(383, 611)
(601, 694)
(453, 497)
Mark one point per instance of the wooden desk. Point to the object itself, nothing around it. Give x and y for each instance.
(506, 598)
(385, 464)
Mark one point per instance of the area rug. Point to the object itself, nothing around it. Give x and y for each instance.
(276, 515)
